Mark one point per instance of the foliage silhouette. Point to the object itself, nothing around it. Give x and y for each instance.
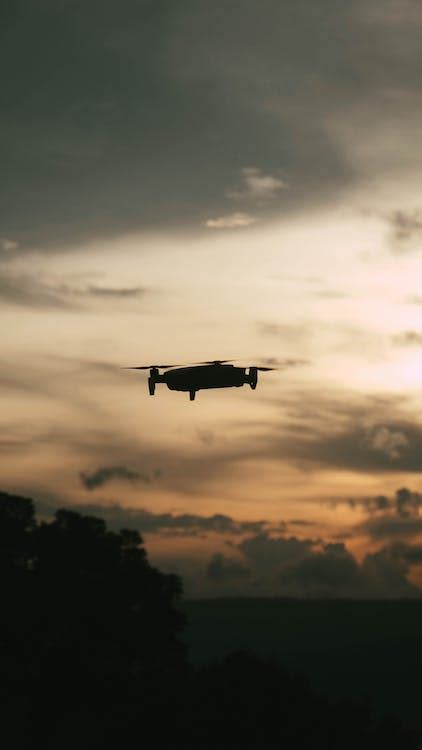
(91, 655)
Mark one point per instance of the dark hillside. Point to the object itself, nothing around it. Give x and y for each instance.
(359, 648)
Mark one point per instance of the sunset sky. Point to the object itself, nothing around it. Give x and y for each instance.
(184, 181)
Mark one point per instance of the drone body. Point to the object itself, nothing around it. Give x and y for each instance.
(216, 374)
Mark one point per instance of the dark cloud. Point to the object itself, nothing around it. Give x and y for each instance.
(405, 503)
(370, 504)
(385, 572)
(409, 554)
(141, 114)
(390, 518)
(391, 526)
(222, 568)
(372, 434)
(106, 474)
(266, 563)
(186, 524)
(265, 552)
(331, 571)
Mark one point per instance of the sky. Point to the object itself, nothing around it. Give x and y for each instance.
(190, 181)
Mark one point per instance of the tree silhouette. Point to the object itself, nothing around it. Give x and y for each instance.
(85, 619)
(91, 656)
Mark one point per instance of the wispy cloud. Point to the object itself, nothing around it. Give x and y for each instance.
(405, 225)
(257, 186)
(231, 221)
(408, 338)
(106, 474)
(8, 245)
(26, 290)
(103, 291)
(34, 291)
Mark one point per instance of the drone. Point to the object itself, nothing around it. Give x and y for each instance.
(217, 373)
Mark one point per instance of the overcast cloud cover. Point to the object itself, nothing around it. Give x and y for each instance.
(187, 181)
(250, 107)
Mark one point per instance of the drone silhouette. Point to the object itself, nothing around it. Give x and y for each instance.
(217, 373)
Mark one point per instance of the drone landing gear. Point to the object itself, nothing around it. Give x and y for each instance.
(192, 395)
(253, 377)
(151, 386)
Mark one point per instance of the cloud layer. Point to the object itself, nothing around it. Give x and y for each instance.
(165, 105)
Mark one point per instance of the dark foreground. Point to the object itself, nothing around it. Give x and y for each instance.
(92, 656)
(363, 649)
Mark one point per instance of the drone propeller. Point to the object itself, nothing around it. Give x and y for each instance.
(149, 367)
(215, 362)
(265, 369)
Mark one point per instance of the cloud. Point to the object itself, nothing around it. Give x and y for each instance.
(222, 568)
(333, 571)
(408, 338)
(311, 568)
(103, 291)
(394, 517)
(407, 503)
(148, 522)
(370, 504)
(331, 294)
(8, 245)
(33, 291)
(206, 437)
(106, 474)
(93, 154)
(328, 572)
(385, 572)
(25, 290)
(404, 503)
(390, 527)
(266, 552)
(387, 441)
(231, 221)
(257, 186)
(268, 564)
(351, 433)
(282, 364)
(414, 299)
(405, 225)
(409, 554)
(391, 517)
(290, 333)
